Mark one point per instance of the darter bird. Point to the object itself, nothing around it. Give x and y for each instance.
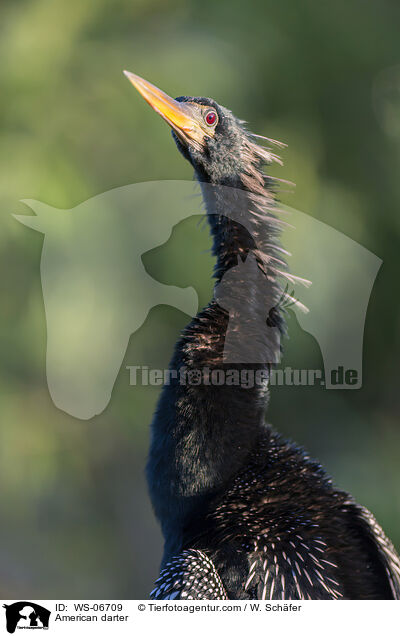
(245, 514)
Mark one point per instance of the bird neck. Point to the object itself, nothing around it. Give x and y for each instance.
(235, 221)
(209, 418)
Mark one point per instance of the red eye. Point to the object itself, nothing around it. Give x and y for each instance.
(211, 117)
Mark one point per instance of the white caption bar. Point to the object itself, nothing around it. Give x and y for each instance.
(198, 617)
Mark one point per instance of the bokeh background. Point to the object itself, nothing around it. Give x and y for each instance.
(324, 77)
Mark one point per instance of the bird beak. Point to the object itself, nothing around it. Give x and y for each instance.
(178, 115)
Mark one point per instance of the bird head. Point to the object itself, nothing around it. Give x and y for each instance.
(208, 135)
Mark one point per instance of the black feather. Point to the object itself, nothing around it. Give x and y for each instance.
(238, 505)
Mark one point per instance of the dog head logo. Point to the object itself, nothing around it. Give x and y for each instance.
(97, 292)
(26, 615)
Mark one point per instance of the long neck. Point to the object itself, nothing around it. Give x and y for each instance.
(209, 418)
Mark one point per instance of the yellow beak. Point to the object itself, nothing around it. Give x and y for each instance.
(179, 115)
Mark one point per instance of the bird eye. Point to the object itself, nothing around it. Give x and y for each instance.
(211, 117)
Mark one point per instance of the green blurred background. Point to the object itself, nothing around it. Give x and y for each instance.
(322, 76)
